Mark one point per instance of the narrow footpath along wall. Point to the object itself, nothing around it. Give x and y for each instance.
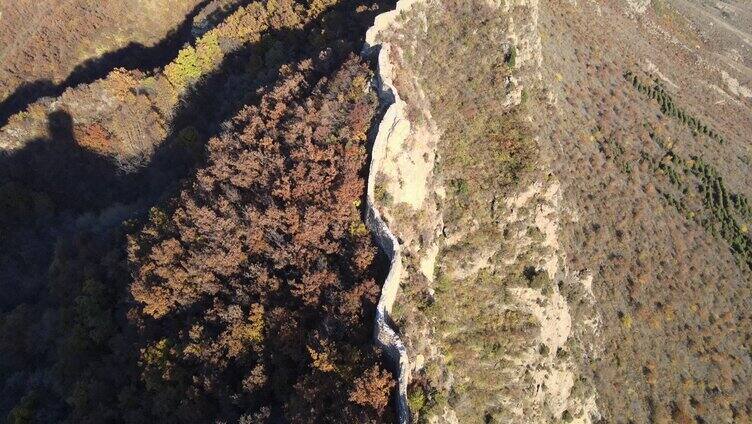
(393, 124)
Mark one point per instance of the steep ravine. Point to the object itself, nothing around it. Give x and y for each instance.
(394, 124)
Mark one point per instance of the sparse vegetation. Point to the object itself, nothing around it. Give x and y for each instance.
(648, 237)
(485, 152)
(473, 117)
(719, 212)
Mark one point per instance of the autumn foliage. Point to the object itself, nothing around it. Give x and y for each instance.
(256, 294)
(171, 257)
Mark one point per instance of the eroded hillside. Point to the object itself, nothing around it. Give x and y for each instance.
(570, 183)
(48, 46)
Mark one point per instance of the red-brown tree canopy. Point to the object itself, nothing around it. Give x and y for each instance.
(260, 286)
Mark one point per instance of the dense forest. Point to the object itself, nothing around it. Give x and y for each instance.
(258, 289)
(220, 271)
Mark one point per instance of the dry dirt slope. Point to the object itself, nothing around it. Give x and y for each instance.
(650, 134)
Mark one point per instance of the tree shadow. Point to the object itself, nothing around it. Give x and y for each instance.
(47, 188)
(246, 73)
(134, 56)
(53, 189)
(74, 181)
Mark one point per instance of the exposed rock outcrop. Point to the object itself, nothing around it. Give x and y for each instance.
(393, 125)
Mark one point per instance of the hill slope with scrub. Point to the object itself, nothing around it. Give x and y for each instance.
(48, 46)
(580, 248)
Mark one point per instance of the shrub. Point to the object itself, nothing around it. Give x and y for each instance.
(184, 69)
(543, 349)
(416, 398)
(383, 196)
(208, 52)
(511, 57)
(94, 137)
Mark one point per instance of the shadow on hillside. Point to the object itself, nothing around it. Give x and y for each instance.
(75, 181)
(247, 73)
(133, 56)
(45, 188)
(53, 188)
